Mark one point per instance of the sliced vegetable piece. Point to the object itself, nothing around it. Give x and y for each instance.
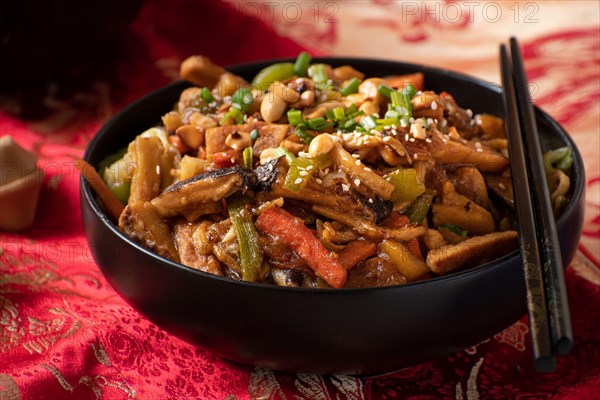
(291, 231)
(302, 169)
(272, 73)
(407, 186)
(113, 206)
(419, 208)
(247, 237)
(355, 252)
(407, 263)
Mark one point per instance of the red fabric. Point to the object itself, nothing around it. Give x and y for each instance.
(65, 334)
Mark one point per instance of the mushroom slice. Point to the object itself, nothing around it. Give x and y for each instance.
(141, 222)
(183, 234)
(201, 194)
(471, 252)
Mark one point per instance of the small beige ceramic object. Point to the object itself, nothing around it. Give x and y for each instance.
(20, 183)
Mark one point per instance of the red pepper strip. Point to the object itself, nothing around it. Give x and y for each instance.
(291, 231)
(355, 252)
(396, 220)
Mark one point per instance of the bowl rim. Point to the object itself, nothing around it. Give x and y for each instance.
(577, 191)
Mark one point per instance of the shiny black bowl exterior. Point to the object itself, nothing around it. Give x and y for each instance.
(355, 331)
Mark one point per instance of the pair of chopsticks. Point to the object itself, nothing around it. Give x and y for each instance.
(547, 306)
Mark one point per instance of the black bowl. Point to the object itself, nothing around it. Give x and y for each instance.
(353, 331)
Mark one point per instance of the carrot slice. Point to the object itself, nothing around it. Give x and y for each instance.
(111, 202)
(355, 252)
(291, 231)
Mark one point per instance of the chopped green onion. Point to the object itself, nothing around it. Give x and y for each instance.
(397, 99)
(351, 109)
(282, 151)
(305, 136)
(302, 62)
(369, 122)
(351, 87)
(294, 117)
(254, 134)
(242, 98)
(318, 73)
(409, 91)
(235, 114)
(317, 124)
(455, 229)
(206, 95)
(385, 90)
(392, 114)
(339, 113)
(272, 73)
(248, 157)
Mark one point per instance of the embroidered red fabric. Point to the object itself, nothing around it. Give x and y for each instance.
(65, 334)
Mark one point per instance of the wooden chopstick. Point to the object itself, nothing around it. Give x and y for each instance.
(556, 293)
(532, 268)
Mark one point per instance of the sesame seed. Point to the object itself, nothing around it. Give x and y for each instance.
(298, 181)
(232, 160)
(415, 156)
(412, 139)
(411, 120)
(357, 162)
(469, 113)
(428, 140)
(387, 139)
(309, 167)
(394, 126)
(429, 121)
(406, 137)
(357, 182)
(479, 150)
(345, 187)
(319, 181)
(501, 186)
(158, 170)
(478, 145)
(434, 105)
(367, 169)
(370, 200)
(303, 173)
(355, 155)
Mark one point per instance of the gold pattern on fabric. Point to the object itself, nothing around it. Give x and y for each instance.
(8, 388)
(514, 335)
(59, 377)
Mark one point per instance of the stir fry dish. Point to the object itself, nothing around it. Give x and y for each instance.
(315, 176)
